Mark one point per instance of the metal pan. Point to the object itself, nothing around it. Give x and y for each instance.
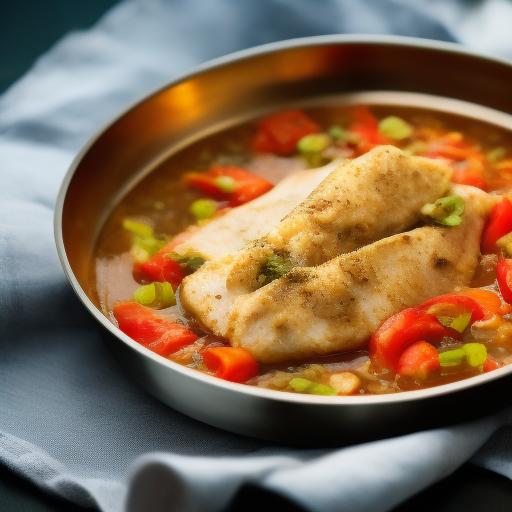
(220, 94)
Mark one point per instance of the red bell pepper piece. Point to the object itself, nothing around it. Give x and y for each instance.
(143, 325)
(235, 364)
(490, 301)
(504, 277)
(464, 302)
(247, 186)
(402, 330)
(366, 125)
(491, 364)
(279, 133)
(418, 361)
(498, 225)
(471, 176)
(160, 267)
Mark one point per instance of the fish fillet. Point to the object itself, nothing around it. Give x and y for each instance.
(371, 197)
(336, 307)
(228, 233)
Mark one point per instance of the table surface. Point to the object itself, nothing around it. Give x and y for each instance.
(29, 28)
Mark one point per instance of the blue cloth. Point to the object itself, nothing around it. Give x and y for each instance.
(71, 420)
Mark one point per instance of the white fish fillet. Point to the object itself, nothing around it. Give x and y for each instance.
(373, 196)
(228, 233)
(336, 307)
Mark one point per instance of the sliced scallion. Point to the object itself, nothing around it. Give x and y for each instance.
(461, 322)
(395, 128)
(309, 387)
(446, 211)
(155, 295)
(225, 183)
(275, 267)
(138, 228)
(203, 209)
(476, 353)
(313, 143)
(452, 357)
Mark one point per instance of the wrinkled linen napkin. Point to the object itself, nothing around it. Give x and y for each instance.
(71, 420)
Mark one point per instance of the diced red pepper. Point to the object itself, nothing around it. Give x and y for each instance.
(402, 330)
(470, 176)
(464, 302)
(161, 268)
(490, 301)
(247, 186)
(491, 364)
(366, 125)
(504, 277)
(418, 361)
(498, 225)
(235, 364)
(143, 325)
(279, 133)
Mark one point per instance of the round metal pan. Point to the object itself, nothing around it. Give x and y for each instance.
(218, 95)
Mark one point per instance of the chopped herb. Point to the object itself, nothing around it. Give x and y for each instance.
(203, 209)
(155, 295)
(275, 267)
(395, 128)
(192, 262)
(313, 143)
(446, 211)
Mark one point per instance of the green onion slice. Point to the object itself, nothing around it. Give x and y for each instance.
(446, 211)
(155, 295)
(203, 209)
(460, 322)
(313, 143)
(138, 228)
(307, 386)
(395, 128)
(476, 353)
(452, 357)
(225, 183)
(275, 267)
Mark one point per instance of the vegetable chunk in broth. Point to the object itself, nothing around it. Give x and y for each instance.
(343, 250)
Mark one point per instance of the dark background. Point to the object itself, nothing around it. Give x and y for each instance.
(27, 30)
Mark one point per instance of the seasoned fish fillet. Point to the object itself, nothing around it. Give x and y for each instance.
(227, 234)
(373, 196)
(336, 306)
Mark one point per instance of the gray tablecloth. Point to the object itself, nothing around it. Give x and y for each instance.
(71, 420)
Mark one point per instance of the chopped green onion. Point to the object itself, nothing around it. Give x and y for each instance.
(476, 353)
(203, 209)
(275, 267)
(452, 357)
(139, 228)
(496, 154)
(338, 133)
(225, 183)
(505, 243)
(155, 295)
(446, 211)
(307, 386)
(150, 245)
(192, 262)
(461, 322)
(395, 128)
(313, 143)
